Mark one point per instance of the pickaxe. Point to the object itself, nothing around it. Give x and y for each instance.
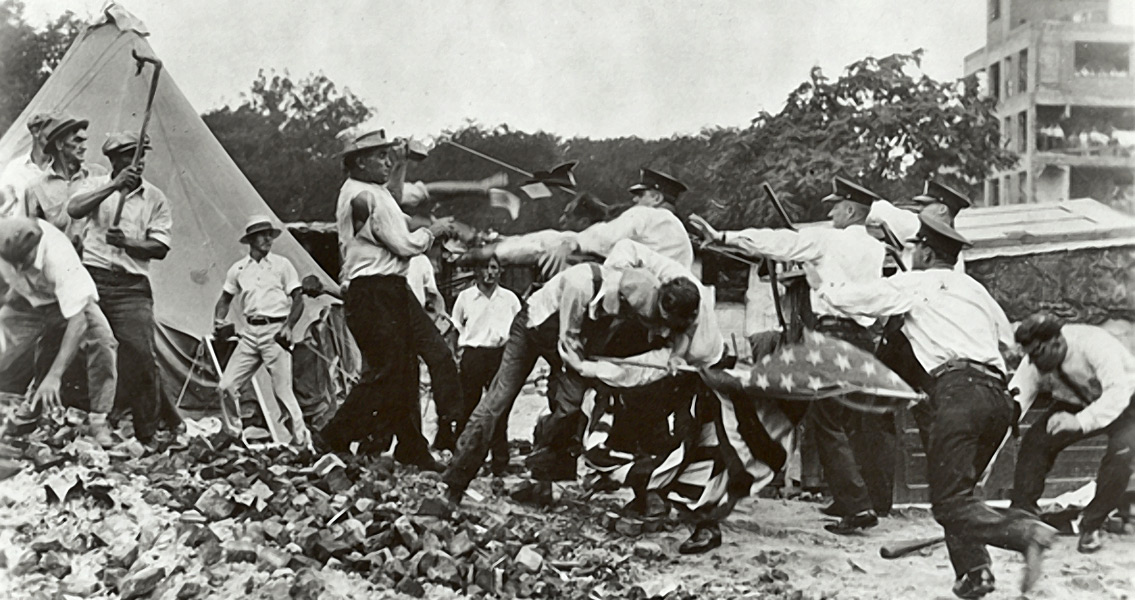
(141, 62)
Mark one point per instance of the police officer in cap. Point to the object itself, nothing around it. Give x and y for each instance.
(652, 222)
(955, 330)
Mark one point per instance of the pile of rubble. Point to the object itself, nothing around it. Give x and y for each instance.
(200, 519)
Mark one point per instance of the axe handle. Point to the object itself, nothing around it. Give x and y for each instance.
(145, 124)
(495, 161)
(900, 549)
(778, 206)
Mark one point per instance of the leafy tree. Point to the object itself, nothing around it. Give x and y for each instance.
(28, 55)
(282, 136)
(882, 123)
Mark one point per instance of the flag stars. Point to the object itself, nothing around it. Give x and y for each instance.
(815, 383)
(767, 359)
(815, 357)
(762, 381)
(787, 356)
(869, 368)
(787, 382)
(842, 362)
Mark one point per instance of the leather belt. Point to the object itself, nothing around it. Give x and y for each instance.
(833, 321)
(957, 364)
(265, 320)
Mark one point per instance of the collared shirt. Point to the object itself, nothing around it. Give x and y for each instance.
(264, 286)
(47, 197)
(905, 225)
(1098, 364)
(848, 255)
(656, 228)
(527, 248)
(421, 278)
(145, 215)
(484, 321)
(56, 275)
(702, 344)
(384, 245)
(14, 182)
(949, 315)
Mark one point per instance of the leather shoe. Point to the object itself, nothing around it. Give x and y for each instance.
(850, 524)
(974, 584)
(1090, 542)
(703, 539)
(1041, 538)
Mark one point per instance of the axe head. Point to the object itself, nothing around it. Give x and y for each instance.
(140, 61)
(560, 176)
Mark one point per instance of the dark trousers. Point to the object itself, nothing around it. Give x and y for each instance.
(1039, 450)
(525, 345)
(431, 347)
(478, 367)
(863, 480)
(972, 413)
(378, 311)
(128, 304)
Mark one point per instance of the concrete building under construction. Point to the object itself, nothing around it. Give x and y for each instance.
(1062, 73)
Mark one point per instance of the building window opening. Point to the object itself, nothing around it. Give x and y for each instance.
(1086, 130)
(1023, 71)
(995, 80)
(1023, 131)
(994, 10)
(1100, 59)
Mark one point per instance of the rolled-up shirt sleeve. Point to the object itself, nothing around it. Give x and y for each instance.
(573, 307)
(74, 288)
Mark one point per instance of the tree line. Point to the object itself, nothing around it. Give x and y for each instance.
(880, 121)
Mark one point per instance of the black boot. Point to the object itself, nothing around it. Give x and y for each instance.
(974, 584)
(850, 524)
(1089, 541)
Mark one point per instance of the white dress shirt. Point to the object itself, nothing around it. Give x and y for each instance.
(1098, 364)
(14, 182)
(55, 275)
(264, 286)
(484, 321)
(656, 228)
(949, 315)
(848, 255)
(384, 245)
(145, 215)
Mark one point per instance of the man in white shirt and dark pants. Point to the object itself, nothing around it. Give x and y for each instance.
(376, 245)
(483, 315)
(1094, 377)
(272, 303)
(955, 330)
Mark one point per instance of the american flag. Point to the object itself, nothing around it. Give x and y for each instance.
(818, 367)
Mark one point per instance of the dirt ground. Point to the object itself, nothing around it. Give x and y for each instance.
(773, 548)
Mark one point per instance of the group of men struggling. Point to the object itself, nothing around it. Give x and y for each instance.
(618, 332)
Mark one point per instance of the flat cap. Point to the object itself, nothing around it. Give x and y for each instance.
(122, 142)
(560, 176)
(60, 125)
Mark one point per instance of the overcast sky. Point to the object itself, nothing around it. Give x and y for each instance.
(599, 68)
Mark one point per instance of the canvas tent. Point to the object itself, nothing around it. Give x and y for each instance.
(211, 199)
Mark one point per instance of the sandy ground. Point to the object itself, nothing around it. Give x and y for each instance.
(789, 535)
(766, 542)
